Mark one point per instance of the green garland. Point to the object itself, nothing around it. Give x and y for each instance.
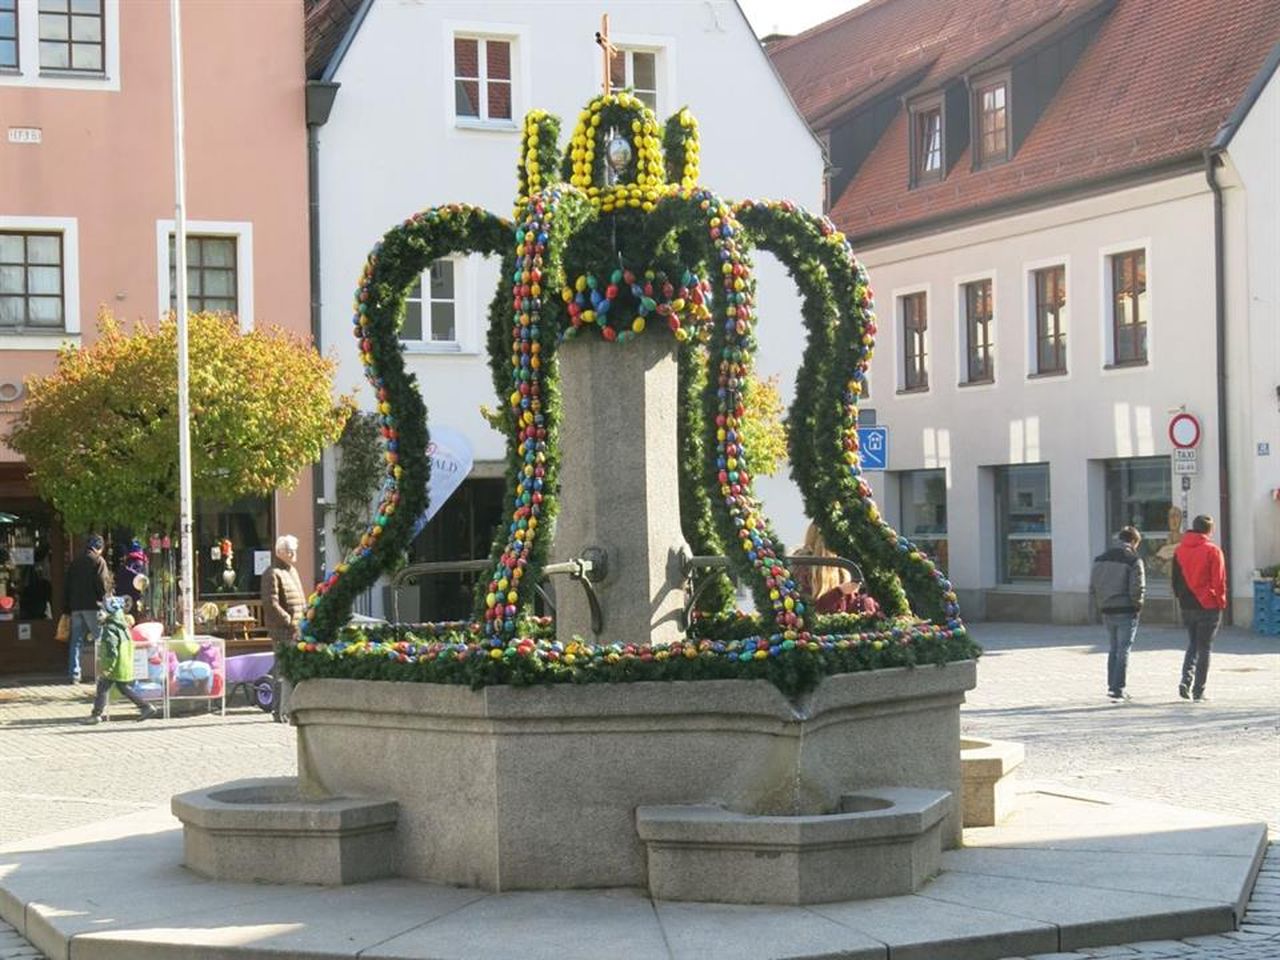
(670, 250)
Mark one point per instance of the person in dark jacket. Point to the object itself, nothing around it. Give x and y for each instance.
(133, 565)
(1119, 585)
(1200, 584)
(87, 585)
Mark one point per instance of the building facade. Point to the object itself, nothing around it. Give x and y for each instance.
(428, 110)
(1072, 245)
(86, 218)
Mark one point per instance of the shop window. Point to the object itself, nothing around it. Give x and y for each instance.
(431, 308)
(923, 496)
(1139, 494)
(482, 79)
(246, 527)
(1024, 531)
(26, 574)
(32, 293)
(463, 529)
(637, 69)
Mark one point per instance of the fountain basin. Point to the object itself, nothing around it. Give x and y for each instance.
(989, 790)
(268, 831)
(509, 788)
(878, 843)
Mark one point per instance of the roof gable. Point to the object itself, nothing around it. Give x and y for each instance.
(1150, 90)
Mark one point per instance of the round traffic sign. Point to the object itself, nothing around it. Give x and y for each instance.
(1184, 431)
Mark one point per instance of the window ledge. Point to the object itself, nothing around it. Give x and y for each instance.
(492, 126)
(1023, 586)
(1046, 375)
(984, 382)
(10, 72)
(29, 340)
(421, 348)
(907, 391)
(1126, 365)
(74, 74)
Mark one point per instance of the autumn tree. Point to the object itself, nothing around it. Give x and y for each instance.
(100, 434)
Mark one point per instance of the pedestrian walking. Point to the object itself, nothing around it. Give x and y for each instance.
(87, 584)
(1118, 584)
(115, 662)
(283, 603)
(1200, 584)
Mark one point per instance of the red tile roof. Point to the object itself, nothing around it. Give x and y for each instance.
(1153, 86)
(326, 24)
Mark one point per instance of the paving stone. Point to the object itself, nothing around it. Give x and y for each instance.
(1041, 685)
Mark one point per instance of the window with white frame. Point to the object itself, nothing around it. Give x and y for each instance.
(212, 282)
(431, 309)
(68, 44)
(32, 284)
(637, 69)
(72, 36)
(219, 268)
(482, 79)
(8, 34)
(915, 326)
(979, 332)
(1049, 288)
(1129, 310)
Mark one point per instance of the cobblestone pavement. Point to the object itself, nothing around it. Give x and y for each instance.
(1042, 685)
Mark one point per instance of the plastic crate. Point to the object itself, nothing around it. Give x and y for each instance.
(1268, 628)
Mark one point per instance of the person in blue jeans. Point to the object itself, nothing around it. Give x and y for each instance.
(87, 584)
(1118, 585)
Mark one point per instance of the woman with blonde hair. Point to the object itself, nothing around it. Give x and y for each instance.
(814, 581)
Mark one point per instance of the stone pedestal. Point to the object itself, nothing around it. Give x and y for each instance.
(508, 788)
(619, 486)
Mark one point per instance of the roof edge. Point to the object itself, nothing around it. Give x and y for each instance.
(335, 60)
(1025, 203)
(782, 85)
(1225, 133)
(840, 18)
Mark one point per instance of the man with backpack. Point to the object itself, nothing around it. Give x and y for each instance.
(1119, 584)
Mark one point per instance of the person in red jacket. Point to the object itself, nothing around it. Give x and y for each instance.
(1200, 584)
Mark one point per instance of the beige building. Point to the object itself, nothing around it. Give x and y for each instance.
(86, 211)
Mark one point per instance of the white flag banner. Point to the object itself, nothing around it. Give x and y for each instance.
(451, 461)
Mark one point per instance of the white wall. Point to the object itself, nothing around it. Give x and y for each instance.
(391, 147)
(1089, 414)
(1253, 332)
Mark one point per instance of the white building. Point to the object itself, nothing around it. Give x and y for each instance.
(428, 111)
(1062, 206)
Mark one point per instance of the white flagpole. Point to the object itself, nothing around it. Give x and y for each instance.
(187, 578)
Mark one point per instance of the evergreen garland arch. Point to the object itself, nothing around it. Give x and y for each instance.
(618, 256)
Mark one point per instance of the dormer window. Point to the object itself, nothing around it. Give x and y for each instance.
(991, 126)
(926, 141)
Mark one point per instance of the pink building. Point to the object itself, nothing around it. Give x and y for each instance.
(86, 211)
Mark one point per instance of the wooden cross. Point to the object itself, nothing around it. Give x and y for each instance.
(608, 51)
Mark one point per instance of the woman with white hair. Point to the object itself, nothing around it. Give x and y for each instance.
(283, 603)
(283, 599)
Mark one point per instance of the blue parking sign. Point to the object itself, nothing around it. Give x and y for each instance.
(873, 447)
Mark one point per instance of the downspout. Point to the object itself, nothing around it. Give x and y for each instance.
(1212, 161)
(319, 101)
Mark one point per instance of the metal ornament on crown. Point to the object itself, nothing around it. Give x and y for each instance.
(611, 238)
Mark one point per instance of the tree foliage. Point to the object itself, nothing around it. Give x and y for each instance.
(360, 459)
(100, 434)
